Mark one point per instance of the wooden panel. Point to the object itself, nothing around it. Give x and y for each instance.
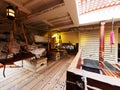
(89, 42)
(108, 54)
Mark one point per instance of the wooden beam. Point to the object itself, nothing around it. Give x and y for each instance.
(48, 23)
(22, 30)
(19, 5)
(10, 42)
(101, 47)
(49, 40)
(14, 25)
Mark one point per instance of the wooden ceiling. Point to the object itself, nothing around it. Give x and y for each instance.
(40, 15)
(45, 15)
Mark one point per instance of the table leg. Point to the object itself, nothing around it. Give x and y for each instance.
(4, 70)
(22, 63)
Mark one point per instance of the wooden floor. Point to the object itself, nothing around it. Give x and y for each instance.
(52, 78)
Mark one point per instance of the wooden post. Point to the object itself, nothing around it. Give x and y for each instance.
(49, 41)
(101, 48)
(14, 25)
(23, 31)
(10, 42)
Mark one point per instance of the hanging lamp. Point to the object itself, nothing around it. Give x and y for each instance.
(10, 12)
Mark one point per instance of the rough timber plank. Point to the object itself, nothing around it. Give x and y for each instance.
(56, 77)
(11, 77)
(10, 72)
(62, 80)
(44, 81)
(58, 87)
(12, 81)
(50, 75)
(37, 79)
(22, 79)
(41, 78)
(61, 83)
(64, 88)
(32, 83)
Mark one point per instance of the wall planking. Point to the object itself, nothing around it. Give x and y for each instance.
(69, 37)
(89, 42)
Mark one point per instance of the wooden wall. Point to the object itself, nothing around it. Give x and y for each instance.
(89, 42)
(69, 37)
(119, 37)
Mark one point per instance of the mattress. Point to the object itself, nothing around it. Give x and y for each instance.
(38, 52)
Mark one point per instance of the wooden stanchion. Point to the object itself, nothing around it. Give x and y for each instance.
(101, 48)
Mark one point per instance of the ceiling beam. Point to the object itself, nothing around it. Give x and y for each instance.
(32, 3)
(19, 5)
(71, 6)
(49, 13)
(45, 21)
(60, 18)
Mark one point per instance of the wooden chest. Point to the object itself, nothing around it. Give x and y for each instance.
(35, 65)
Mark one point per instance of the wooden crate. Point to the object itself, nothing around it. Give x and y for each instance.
(54, 55)
(34, 65)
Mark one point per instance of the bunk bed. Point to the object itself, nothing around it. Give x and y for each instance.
(20, 53)
(40, 60)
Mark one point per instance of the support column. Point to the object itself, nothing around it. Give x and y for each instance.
(23, 31)
(11, 42)
(101, 47)
(49, 40)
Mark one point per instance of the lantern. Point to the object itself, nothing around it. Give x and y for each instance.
(10, 13)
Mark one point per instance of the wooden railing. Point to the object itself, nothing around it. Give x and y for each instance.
(76, 60)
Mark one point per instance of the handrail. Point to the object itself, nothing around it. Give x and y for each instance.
(76, 59)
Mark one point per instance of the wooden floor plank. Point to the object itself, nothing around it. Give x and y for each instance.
(13, 77)
(56, 77)
(48, 76)
(58, 87)
(37, 79)
(62, 80)
(23, 81)
(13, 81)
(9, 72)
(52, 78)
